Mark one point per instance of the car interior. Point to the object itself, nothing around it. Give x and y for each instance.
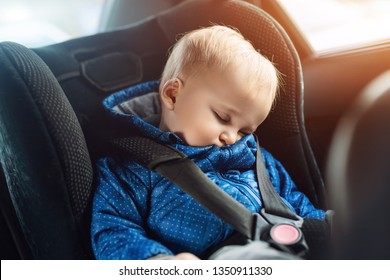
(53, 124)
(357, 176)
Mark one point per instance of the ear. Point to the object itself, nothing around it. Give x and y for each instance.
(169, 93)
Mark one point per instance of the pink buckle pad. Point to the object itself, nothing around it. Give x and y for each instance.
(285, 234)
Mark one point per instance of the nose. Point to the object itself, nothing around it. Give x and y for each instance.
(229, 138)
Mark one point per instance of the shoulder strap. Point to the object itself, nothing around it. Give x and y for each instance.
(184, 173)
(273, 204)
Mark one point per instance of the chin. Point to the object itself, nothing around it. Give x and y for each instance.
(204, 144)
(196, 142)
(200, 143)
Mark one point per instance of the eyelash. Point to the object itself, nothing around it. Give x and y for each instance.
(220, 118)
(227, 121)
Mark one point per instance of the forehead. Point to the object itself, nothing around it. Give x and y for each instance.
(238, 95)
(246, 102)
(252, 109)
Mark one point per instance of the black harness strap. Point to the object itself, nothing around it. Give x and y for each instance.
(273, 204)
(183, 172)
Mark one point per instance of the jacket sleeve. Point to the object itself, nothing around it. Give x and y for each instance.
(119, 213)
(286, 188)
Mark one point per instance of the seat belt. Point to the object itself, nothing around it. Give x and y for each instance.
(184, 173)
(273, 204)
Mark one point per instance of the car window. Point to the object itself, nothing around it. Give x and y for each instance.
(340, 24)
(36, 23)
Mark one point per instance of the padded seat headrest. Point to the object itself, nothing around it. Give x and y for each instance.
(42, 150)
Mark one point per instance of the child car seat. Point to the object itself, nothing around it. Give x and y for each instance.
(358, 175)
(51, 117)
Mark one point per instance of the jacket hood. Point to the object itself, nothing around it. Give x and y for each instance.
(140, 108)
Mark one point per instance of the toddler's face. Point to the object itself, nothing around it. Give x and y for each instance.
(212, 110)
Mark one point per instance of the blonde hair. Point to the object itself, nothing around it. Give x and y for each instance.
(224, 48)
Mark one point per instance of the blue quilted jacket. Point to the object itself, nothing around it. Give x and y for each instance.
(138, 214)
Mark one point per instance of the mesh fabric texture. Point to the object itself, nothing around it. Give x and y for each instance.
(61, 123)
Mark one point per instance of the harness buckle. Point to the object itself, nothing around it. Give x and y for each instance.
(281, 233)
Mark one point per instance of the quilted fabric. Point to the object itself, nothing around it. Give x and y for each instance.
(138, 214)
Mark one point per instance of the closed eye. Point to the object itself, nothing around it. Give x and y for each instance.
(221, 118)
(243, 133)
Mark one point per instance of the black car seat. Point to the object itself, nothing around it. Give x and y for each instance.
(358, 175)
(51, 117)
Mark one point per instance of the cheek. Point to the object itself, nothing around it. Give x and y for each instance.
(197, 125)
(201, 133)
(190, 111)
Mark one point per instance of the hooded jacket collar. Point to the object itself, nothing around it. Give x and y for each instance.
(139, 107)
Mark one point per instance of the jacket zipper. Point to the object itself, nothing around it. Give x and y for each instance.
(250, 193)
